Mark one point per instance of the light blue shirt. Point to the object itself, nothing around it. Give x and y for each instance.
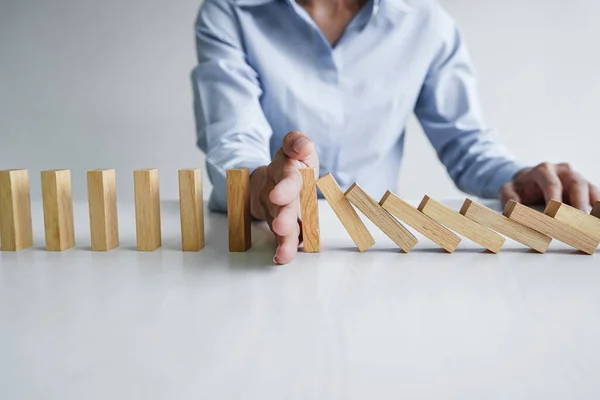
(264, 69)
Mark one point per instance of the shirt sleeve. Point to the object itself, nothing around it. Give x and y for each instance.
(448, 109)
(231, 127)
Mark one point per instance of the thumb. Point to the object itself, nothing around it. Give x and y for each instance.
(297, 146)
(508, 192)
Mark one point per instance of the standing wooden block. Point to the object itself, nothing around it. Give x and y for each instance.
(102, 199)
(596, 210)
(191, 207)
(506, 226)
(15, 210)
(420, 222)
(461, 224)
(238, 210)
(380, 217)
(309, 211)
(58, 210)
(147, 209)
(575, 218)
(345, 212)
(550, 227)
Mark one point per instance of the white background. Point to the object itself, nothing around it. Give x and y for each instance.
(105, 84)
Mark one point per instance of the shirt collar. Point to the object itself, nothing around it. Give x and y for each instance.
(400, 4)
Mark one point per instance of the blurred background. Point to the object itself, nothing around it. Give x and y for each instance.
(90, 84)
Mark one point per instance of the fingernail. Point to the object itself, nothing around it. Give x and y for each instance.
(300, 143)
(276, 260)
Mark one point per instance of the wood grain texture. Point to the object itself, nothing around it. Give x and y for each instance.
(15, 211)
(102, 200)
(505, 226)
(345, 212)
(381, 218)
(58, 210)
(596, 210)
(550, 227)
(238, 210)
(423, 224)
(309, 211)
(147, 209)
(191, 209)
(461, 224)
(583, 222)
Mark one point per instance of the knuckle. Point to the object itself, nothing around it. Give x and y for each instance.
(567, 167)
(544, 167)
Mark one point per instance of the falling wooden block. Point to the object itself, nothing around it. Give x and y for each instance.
(147, 209)
(238, 210)
(380, 217)
(15, 210)
(575, 218)
(191, 208)
(102, 199)
(505, 226)
(420, 222)
(309, 211)
(596, 210)
(550, 227)
(58, 210)
(345, 212)
(461, 224)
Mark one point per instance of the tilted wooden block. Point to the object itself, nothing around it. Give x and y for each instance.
(345, 212)
(191, 209)
(461, 224)
(420, 222)
(15, 210)
(309, 211)
(575, 218)
(58, 210)
(596, 210)
(505, 226)
(380, 217)
(550, 227)
(238, 209)
(102, 199)
(147, 209)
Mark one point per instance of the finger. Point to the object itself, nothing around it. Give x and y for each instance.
(287, 219)
(288, 188)
(547, 179)
(594, 194)
(288, 247)
(298, 146)
(508, 192)
(576, 188)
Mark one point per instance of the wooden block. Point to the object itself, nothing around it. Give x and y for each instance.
(58, 210)
(550, 227)
(380, 217)
(191, 208)
(596, 210)
(575, 218)
(345, 212)
(147, 209)
(238, 210)
(309, 211)
(420, 222)
(15, 210)
(102, 199)
(461, 224)
(505, 226)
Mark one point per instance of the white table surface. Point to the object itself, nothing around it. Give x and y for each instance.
(334, 325)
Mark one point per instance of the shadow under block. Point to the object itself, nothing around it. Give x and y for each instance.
(15, 211)
(309, 211)
(191, 208)
(461, 224)
(345, 212)
(550, 227)
(505, 226)
(102, 199)
(381, 218)
(596, 210)
(58, 210)
(575, 218)
(238, 210)
(147, 209)
(420, 222)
